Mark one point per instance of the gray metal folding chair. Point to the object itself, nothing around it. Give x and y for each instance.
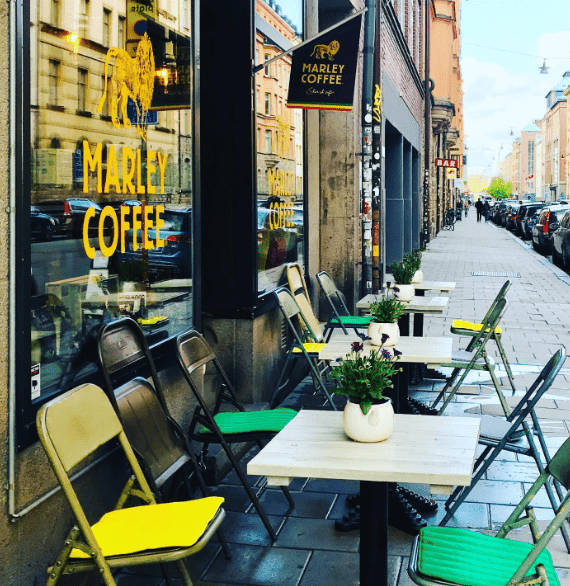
(475, 358)
(466, 328)
(499, 435)
(306, 346)
(340, 317)
(446, 556)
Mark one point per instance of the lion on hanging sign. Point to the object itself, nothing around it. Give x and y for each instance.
(330, 50)
(133, 77)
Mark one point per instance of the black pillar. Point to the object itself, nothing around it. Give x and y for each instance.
(407, 193)
(416, 200)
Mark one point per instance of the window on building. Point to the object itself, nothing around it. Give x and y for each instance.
(106, 27)
(530, 169)
(280, 157)
(55, 13)
(84, 18)
(267, 104)
(72, 287)
(53, 72)
(267, 67)
(121, 32)
(82, 89)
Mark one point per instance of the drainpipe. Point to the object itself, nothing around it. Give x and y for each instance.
(427, 126)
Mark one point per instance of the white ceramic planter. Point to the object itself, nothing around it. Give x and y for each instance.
(418, 277)
(405, 293)
(375, 331)
(376, 426)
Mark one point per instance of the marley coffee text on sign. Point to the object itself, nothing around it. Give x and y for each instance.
(323, 71)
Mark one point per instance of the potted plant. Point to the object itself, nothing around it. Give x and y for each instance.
(368, 415)
(385, 315)
(414, 259)
(403, 274)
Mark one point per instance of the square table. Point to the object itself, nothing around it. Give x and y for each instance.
(441, 286)
(439, 451)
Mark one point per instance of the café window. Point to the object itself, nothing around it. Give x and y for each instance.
(280, 150)
(55, 6)
(109, 198)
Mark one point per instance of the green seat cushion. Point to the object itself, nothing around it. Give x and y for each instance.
(473, 559)
(348, 320)
(250, 421)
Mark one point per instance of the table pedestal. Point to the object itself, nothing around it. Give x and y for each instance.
(373, 533)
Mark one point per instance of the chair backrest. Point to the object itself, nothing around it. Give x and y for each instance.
(488, 325)
(291, 309)
(122, 343)
(559, 466)
(500, 295)
(149, 431)
(300, 292)
(194, 354)
(334, 296)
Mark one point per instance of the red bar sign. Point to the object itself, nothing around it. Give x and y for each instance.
(451, 163)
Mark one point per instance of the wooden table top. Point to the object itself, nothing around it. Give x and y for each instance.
(416, 305)
(426, 285)
(423, 449)
(420, 350)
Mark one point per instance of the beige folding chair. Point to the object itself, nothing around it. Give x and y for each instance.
(71, 427)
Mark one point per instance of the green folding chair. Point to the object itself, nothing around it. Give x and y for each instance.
(340, 317)
(467, 328)
(306, 345)
(474, 358)
(445, 556)
(71, 428)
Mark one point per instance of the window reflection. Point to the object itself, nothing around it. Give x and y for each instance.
(279, 147)
(112, 180)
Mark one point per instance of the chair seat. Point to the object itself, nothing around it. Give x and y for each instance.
(232, 422)
(461, 358)
(352, 320)
(468, 328)
(495, 428)
(464, 557)
(150, 527)
(310, 347)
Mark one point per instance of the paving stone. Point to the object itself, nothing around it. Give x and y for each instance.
(259, 566)
(335, 486)
(512, 471)
(492, 492)
(236, 498)
(500, 513)
(316, 534)
(468, 515)
(327, 567)
(307, 504)
(248, 529)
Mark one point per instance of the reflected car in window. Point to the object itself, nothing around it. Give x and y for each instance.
(173, 261)
(279, 236)
(42, 226)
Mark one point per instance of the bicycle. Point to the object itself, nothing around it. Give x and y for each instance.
(449, 220)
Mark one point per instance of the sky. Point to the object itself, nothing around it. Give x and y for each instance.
(503, 89)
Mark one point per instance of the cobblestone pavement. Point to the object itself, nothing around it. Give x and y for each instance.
(308, 551)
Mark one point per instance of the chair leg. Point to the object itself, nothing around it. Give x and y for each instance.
(505, 362)
(276, 396)
(288, 496)
(456, 386)
(448, 384)
(184, 573)
(497, 386)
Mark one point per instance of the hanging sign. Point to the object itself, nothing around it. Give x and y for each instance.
(451, 173)
(323, 71)
(452, 163)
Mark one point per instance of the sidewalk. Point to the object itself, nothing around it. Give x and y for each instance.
(308, 551)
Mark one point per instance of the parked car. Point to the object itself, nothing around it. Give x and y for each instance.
(173, 261)
(42, 226)
(116, 205)
(510, 215)
(529, 221)
(561, 242)
(499, 211)
(547, 223)
(524, 210)
(70, 213)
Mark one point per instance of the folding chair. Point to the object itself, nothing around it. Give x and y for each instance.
(157, 439)
(214, 426)
(73, 426)
(306, 345)
(298, 288)
(467, 328)
(341, 317)
(444, 556)
(498, 434)
(475, 358)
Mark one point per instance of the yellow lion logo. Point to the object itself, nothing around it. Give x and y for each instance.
(133, 77)
(329, 50)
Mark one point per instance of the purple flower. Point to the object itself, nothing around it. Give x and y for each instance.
(397, 352)
(396, 289)
(338, 359)
(385, 338)
(357, 346)
(386, 353)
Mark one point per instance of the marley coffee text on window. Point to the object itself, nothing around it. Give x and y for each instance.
(323, 72)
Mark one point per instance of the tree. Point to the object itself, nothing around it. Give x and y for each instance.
(499, 189)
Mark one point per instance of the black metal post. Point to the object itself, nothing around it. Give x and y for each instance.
(373, 533)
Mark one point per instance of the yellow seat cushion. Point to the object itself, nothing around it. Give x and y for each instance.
(149, 527)
(311, 347)
(459, 324)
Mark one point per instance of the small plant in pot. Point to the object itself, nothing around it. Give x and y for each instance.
(414, 259)
(403, 274)
(383, 329)
(368, 415)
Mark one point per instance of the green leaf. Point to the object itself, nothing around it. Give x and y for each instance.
(365, 406)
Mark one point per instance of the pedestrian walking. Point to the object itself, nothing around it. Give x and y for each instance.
(479, 208)
(466, 206)
(486, 210)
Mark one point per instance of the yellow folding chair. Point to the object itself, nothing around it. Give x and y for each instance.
(71, 427)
